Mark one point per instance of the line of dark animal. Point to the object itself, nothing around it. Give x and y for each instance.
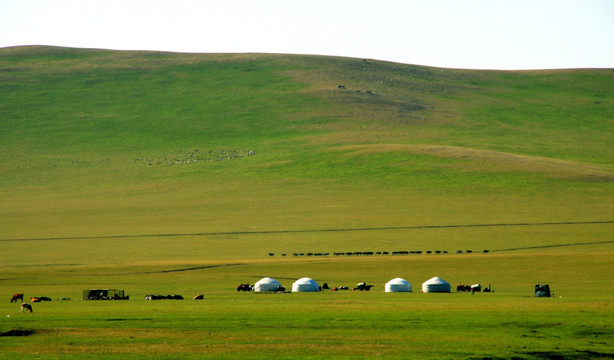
(163, 297)
(382, 253)
(171, 297)
(34, 299)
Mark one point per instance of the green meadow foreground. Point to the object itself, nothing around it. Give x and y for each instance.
(509, 323)
(162, 173)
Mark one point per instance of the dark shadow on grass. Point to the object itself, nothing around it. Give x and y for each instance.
(556, 245)
(187, 269)
(18, 332)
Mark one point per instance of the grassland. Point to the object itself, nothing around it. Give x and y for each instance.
(179, 173)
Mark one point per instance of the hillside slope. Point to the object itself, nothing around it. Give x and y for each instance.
(104, 143)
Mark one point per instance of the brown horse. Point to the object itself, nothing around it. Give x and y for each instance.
(17, 297)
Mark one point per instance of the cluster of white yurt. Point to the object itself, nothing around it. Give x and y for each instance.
(305, 285)
(398, 285)
(434, 285)
(267, 284)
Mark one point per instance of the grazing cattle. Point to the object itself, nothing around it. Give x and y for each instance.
(463, 288)
(26, 307)
(244, 287)
(199, 297)
(363, 287)
(17, 297)
(163, 297)
(325, 286)
(36, 299)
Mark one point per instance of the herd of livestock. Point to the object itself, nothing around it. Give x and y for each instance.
(540, 291)
(372, 253)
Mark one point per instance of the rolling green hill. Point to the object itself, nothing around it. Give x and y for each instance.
(106, 143)
(164, 173)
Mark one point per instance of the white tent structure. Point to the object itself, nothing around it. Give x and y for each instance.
(305, 285)
(267, 284)
(398, 285)
(435, 285)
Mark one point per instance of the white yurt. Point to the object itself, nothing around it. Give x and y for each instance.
(398, 285)
(267, 284)
(435, 285)
(305, 285)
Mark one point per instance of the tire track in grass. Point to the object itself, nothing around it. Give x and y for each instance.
(556, 245)
(272, 232)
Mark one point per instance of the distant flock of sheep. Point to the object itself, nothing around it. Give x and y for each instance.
(196, 156)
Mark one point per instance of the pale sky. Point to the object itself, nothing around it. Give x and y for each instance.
(472, 34)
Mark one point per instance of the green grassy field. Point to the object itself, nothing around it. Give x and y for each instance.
(163, 173)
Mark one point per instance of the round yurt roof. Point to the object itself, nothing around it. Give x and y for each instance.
(305, 284)
(398, 285)
(267, 284)
(435, 284)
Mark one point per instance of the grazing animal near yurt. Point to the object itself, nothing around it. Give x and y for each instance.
(26, 307)
(363, 287)
(463, 288)
(244, 287)
(17, 297)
